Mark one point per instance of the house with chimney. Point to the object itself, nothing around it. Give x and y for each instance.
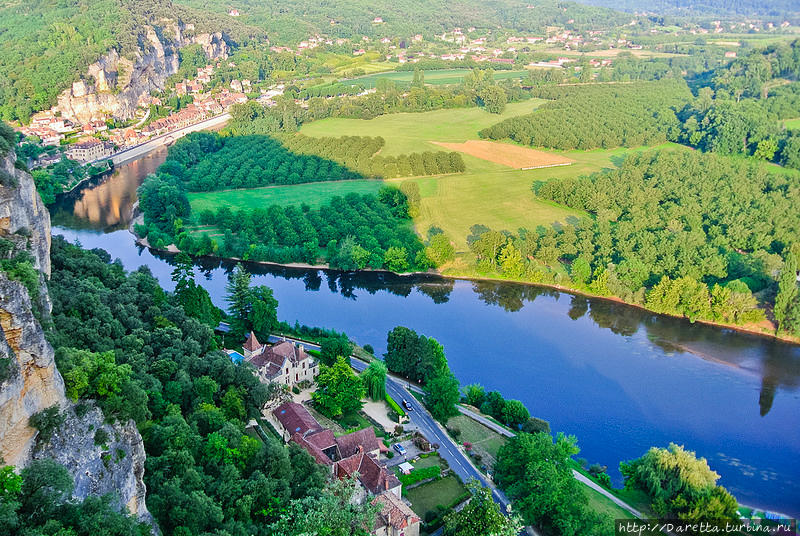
(285, 362)
(352, 455)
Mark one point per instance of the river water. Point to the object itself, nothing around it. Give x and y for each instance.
(619, 378)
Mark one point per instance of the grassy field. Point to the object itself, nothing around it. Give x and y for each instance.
(426, 497)
(436, 77)
(484, 441)
(792, 124)
(313, 194)
(413, 132)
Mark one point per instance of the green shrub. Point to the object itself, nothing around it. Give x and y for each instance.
(395, 406)
(6, 367)
(101, 437)
(47, 421)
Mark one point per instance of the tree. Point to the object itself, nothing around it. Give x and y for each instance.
(481, 516)
(442, 395)
(515, 413)
(374, 378)
(679, 484)
(787, 301)
(339, 390)
(46, 485)
(474, 394)
(401, 349)
(332, 348)
(332, 513)
(195, 299)
(396, 259)
(493, 99)
(440, 250)
(535, 473)
(239, 299)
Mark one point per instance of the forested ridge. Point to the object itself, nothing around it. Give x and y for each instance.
(694, 235)
(284, 24)
(45, 45)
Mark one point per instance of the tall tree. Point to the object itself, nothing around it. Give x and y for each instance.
(787, 301)
(374, 378)
(481, 516)
(339, 391)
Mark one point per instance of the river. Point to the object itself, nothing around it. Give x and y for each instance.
(619, 378)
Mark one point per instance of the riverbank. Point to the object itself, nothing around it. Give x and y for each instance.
(748, 329)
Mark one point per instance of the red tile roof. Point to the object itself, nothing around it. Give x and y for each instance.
(350, 443)
(312, 449)
(372, 475)
(296, 419)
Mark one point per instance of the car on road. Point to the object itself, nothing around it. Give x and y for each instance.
(407, 405)
(401, 450)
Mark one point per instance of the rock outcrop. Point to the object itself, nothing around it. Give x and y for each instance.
(29, 379)
(32, 383)
(115, 85)
(100, 464)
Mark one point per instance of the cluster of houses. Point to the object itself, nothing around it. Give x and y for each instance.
(355, 455)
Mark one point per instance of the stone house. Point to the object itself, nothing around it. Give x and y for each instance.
(284, 362)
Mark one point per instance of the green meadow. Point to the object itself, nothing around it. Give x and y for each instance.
(413, 132)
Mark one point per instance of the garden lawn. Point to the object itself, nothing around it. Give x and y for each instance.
(313, 194)
(485, 441)
(413, 132)
(426, 497)
(603, 505)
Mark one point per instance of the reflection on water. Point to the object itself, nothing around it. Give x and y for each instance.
(106, 206)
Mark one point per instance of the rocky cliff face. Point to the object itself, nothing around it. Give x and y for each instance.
(29, 379)
(115, 85)
(32, 383)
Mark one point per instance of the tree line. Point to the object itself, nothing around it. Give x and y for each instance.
(590, 116)
(695, 235)
(359, 153)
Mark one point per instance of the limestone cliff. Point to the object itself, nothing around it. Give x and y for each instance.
(29, 379)
(115, 85)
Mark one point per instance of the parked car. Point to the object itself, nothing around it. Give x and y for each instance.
(407, 405)
(401, 450)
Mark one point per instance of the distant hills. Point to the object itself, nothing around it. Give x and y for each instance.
(762, 8)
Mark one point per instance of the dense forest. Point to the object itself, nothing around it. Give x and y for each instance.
(124, 343)
(598, 115)
(45, 45)
(773, 9)
(283, 22)
(695, 235)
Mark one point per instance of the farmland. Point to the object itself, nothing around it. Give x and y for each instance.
(509, 155)
(414, 132)
(437, 77)
(792, 124)
(488, 193)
